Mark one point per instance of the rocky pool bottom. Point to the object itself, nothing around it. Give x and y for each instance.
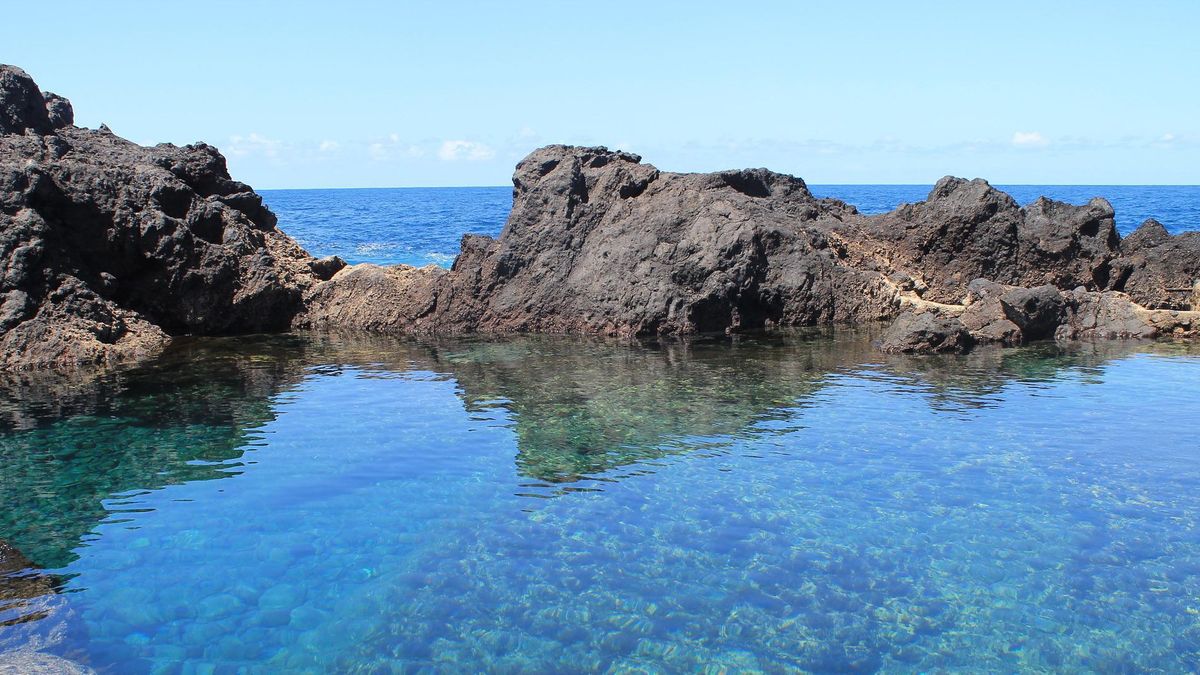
(333, 503)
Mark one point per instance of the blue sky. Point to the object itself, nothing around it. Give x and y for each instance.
(363, 94)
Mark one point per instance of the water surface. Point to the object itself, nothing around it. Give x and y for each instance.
(318, 503)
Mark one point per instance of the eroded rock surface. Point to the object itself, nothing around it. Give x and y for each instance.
(107, 248)
(926, 333)
(600, 242)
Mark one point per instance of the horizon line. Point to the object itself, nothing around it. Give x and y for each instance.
(489, 187)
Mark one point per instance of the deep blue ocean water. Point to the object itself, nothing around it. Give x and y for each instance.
(422, 226)
(322, 503)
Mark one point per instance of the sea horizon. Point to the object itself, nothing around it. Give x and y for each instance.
(423, 225)
(997, 185)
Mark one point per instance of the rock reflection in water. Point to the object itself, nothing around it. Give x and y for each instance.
(84, 457)
(581, 408)
(22, 589)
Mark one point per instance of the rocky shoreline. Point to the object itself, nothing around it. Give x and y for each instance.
(110, 249)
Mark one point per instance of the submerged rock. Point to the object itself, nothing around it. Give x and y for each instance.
(34, 617)
(23, 591)
(109, 248)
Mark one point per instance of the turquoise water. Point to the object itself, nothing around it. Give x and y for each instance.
(316, 503)
(423, 226)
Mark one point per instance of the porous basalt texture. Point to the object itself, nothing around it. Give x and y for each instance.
(1158, 270)
(599, 242)
(926, 333)
(107, 247)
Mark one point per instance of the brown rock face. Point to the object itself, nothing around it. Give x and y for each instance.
(926, 333)
(599, 242)
(108, 247)
(968, 230)
(1158, 270)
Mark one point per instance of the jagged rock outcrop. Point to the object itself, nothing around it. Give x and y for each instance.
(968, 230)
(1158, 270)
(600, 242)
(107, 248)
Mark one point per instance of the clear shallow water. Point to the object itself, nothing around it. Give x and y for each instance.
(352, 504)
(422, 226)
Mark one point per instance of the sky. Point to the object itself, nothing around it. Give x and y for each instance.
(363, 94)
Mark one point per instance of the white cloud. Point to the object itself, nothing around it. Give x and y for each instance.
(1167, 138)
(393, 147)
(451, 151)
(329, 146)
(1029, 139)
(253, 144)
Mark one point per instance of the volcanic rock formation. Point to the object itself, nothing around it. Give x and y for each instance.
(109, 248)
(599, 242)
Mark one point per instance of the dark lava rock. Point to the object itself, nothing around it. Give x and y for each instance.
(326, 267)
(599, 242)
(1159, 270)
(1036, 311)
(22, 106)
(58, 110)
(968, 230)
(984, 316)
(1108, 315)
(1011, 315)
(107, 248)
(926, 333)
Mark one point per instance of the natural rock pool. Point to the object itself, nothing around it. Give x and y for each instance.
(318, 503)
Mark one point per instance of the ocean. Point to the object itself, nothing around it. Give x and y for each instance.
(422, 226)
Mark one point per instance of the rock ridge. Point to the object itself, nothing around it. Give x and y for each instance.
(600, 242)
(110, 248)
